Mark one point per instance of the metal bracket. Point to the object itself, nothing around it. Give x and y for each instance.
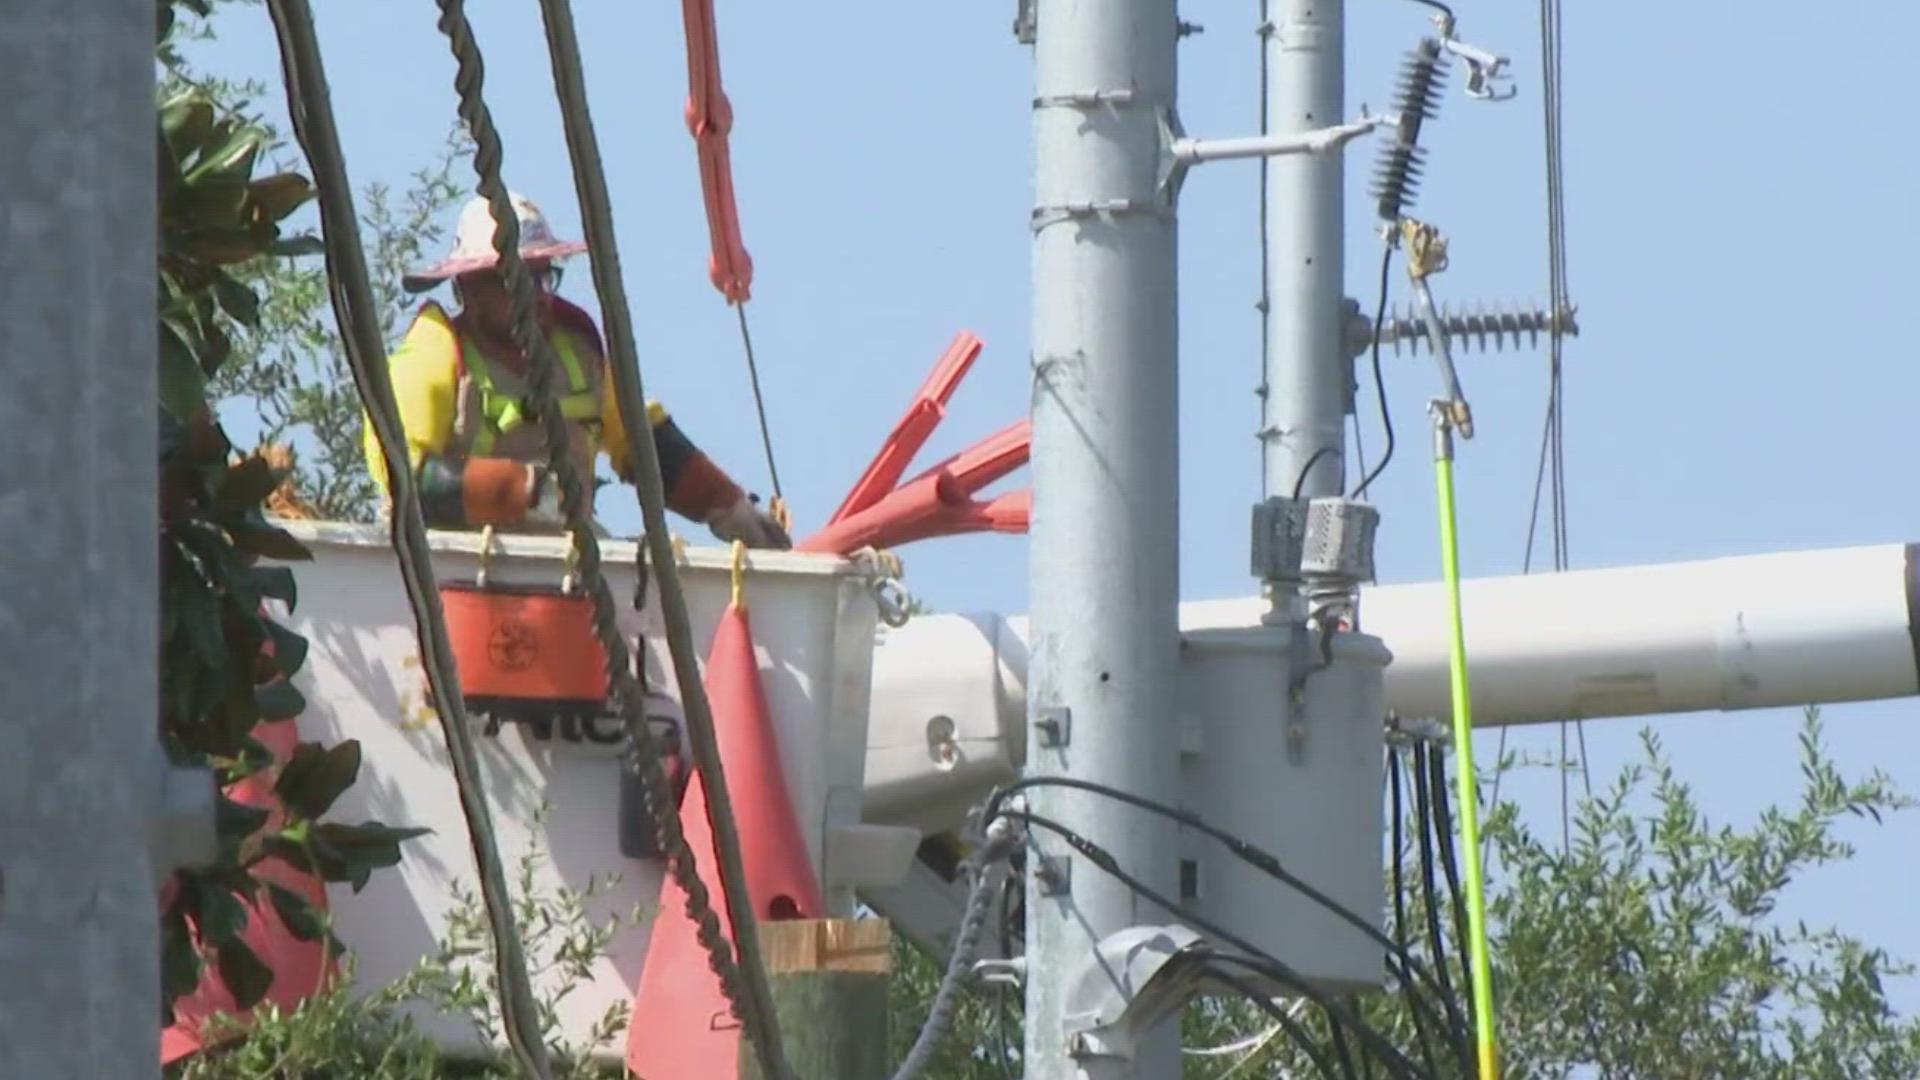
(1044, 216)
(1178, 152)
(1135, 979)
(1055, 725)
(1086, 99)
(1054, 874)
(1025, 26)
(1487, 76)
(1011, 971)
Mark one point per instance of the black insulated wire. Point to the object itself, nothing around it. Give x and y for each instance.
(1294, 1030)
(1400, 897)
(1254, 959)
(1449, 864)
(1430, 896)
(1379, 377)
(1247, 852)
(1402, 963)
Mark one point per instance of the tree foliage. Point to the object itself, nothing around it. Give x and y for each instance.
(226, 663)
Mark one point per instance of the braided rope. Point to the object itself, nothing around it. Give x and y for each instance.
(747, 992)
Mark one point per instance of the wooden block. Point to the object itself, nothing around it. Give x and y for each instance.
(855, 945)
(830, 979)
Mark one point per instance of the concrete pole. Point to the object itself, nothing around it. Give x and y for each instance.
(1308, 373)
(1105, 480)
(79, 764)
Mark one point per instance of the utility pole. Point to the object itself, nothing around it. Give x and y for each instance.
(1308, 374)
(80, 767)
(1105, 533)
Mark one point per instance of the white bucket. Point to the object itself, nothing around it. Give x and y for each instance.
(813, 621)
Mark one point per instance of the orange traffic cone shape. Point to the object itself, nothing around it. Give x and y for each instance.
(681, 1027)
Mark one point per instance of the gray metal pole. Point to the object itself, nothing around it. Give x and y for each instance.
(1308, 372)
(1105, 480)
(79, 768)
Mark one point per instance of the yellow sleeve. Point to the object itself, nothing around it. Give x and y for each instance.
(425, 374)
(613, 431)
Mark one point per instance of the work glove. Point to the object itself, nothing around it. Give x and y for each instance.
(746, 522)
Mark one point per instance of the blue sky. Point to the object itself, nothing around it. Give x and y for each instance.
(1740, 220)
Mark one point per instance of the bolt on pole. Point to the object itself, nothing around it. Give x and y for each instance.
(80, 765)
(1105, 536)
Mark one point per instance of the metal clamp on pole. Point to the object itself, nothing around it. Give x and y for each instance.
(1427, 255)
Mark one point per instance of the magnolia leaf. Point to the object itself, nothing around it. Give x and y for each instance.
(222, 247)
(222, 916)
(289, 648)
(297, 245)
(268, 541)
(245, 976)
(246, 484)
(301, 917)
(237, 820)
(351, 853)
(237, 300)
(273, 581)
(279, 700)
(186, 121)
(183, 385)
(315, 776)
(281, 194)
(179, 959)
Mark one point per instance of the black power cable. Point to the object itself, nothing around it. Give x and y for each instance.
(1293, 1028)
(1338, 1022)
(1443, 827)
(1262, 860)
(1399, 891)
(1268, 965)
(1380, 379)
(1429, 891)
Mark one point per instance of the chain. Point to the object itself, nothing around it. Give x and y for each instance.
(746, 990)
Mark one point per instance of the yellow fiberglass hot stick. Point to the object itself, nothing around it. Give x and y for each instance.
(1463, 752)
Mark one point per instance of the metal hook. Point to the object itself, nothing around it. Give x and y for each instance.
(486, 553)
(739, 570)
(895, 605)
(570, 580)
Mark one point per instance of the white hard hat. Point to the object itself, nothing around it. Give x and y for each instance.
(473, 242)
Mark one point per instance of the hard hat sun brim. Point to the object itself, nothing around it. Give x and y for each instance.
(422, 280)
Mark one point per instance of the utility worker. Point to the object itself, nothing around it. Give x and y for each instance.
(474, 440)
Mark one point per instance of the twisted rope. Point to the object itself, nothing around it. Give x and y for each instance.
(747, 992)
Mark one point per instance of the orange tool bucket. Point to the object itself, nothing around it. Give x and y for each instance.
(524, 646)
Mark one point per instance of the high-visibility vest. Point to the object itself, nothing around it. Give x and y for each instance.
(504, 397)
